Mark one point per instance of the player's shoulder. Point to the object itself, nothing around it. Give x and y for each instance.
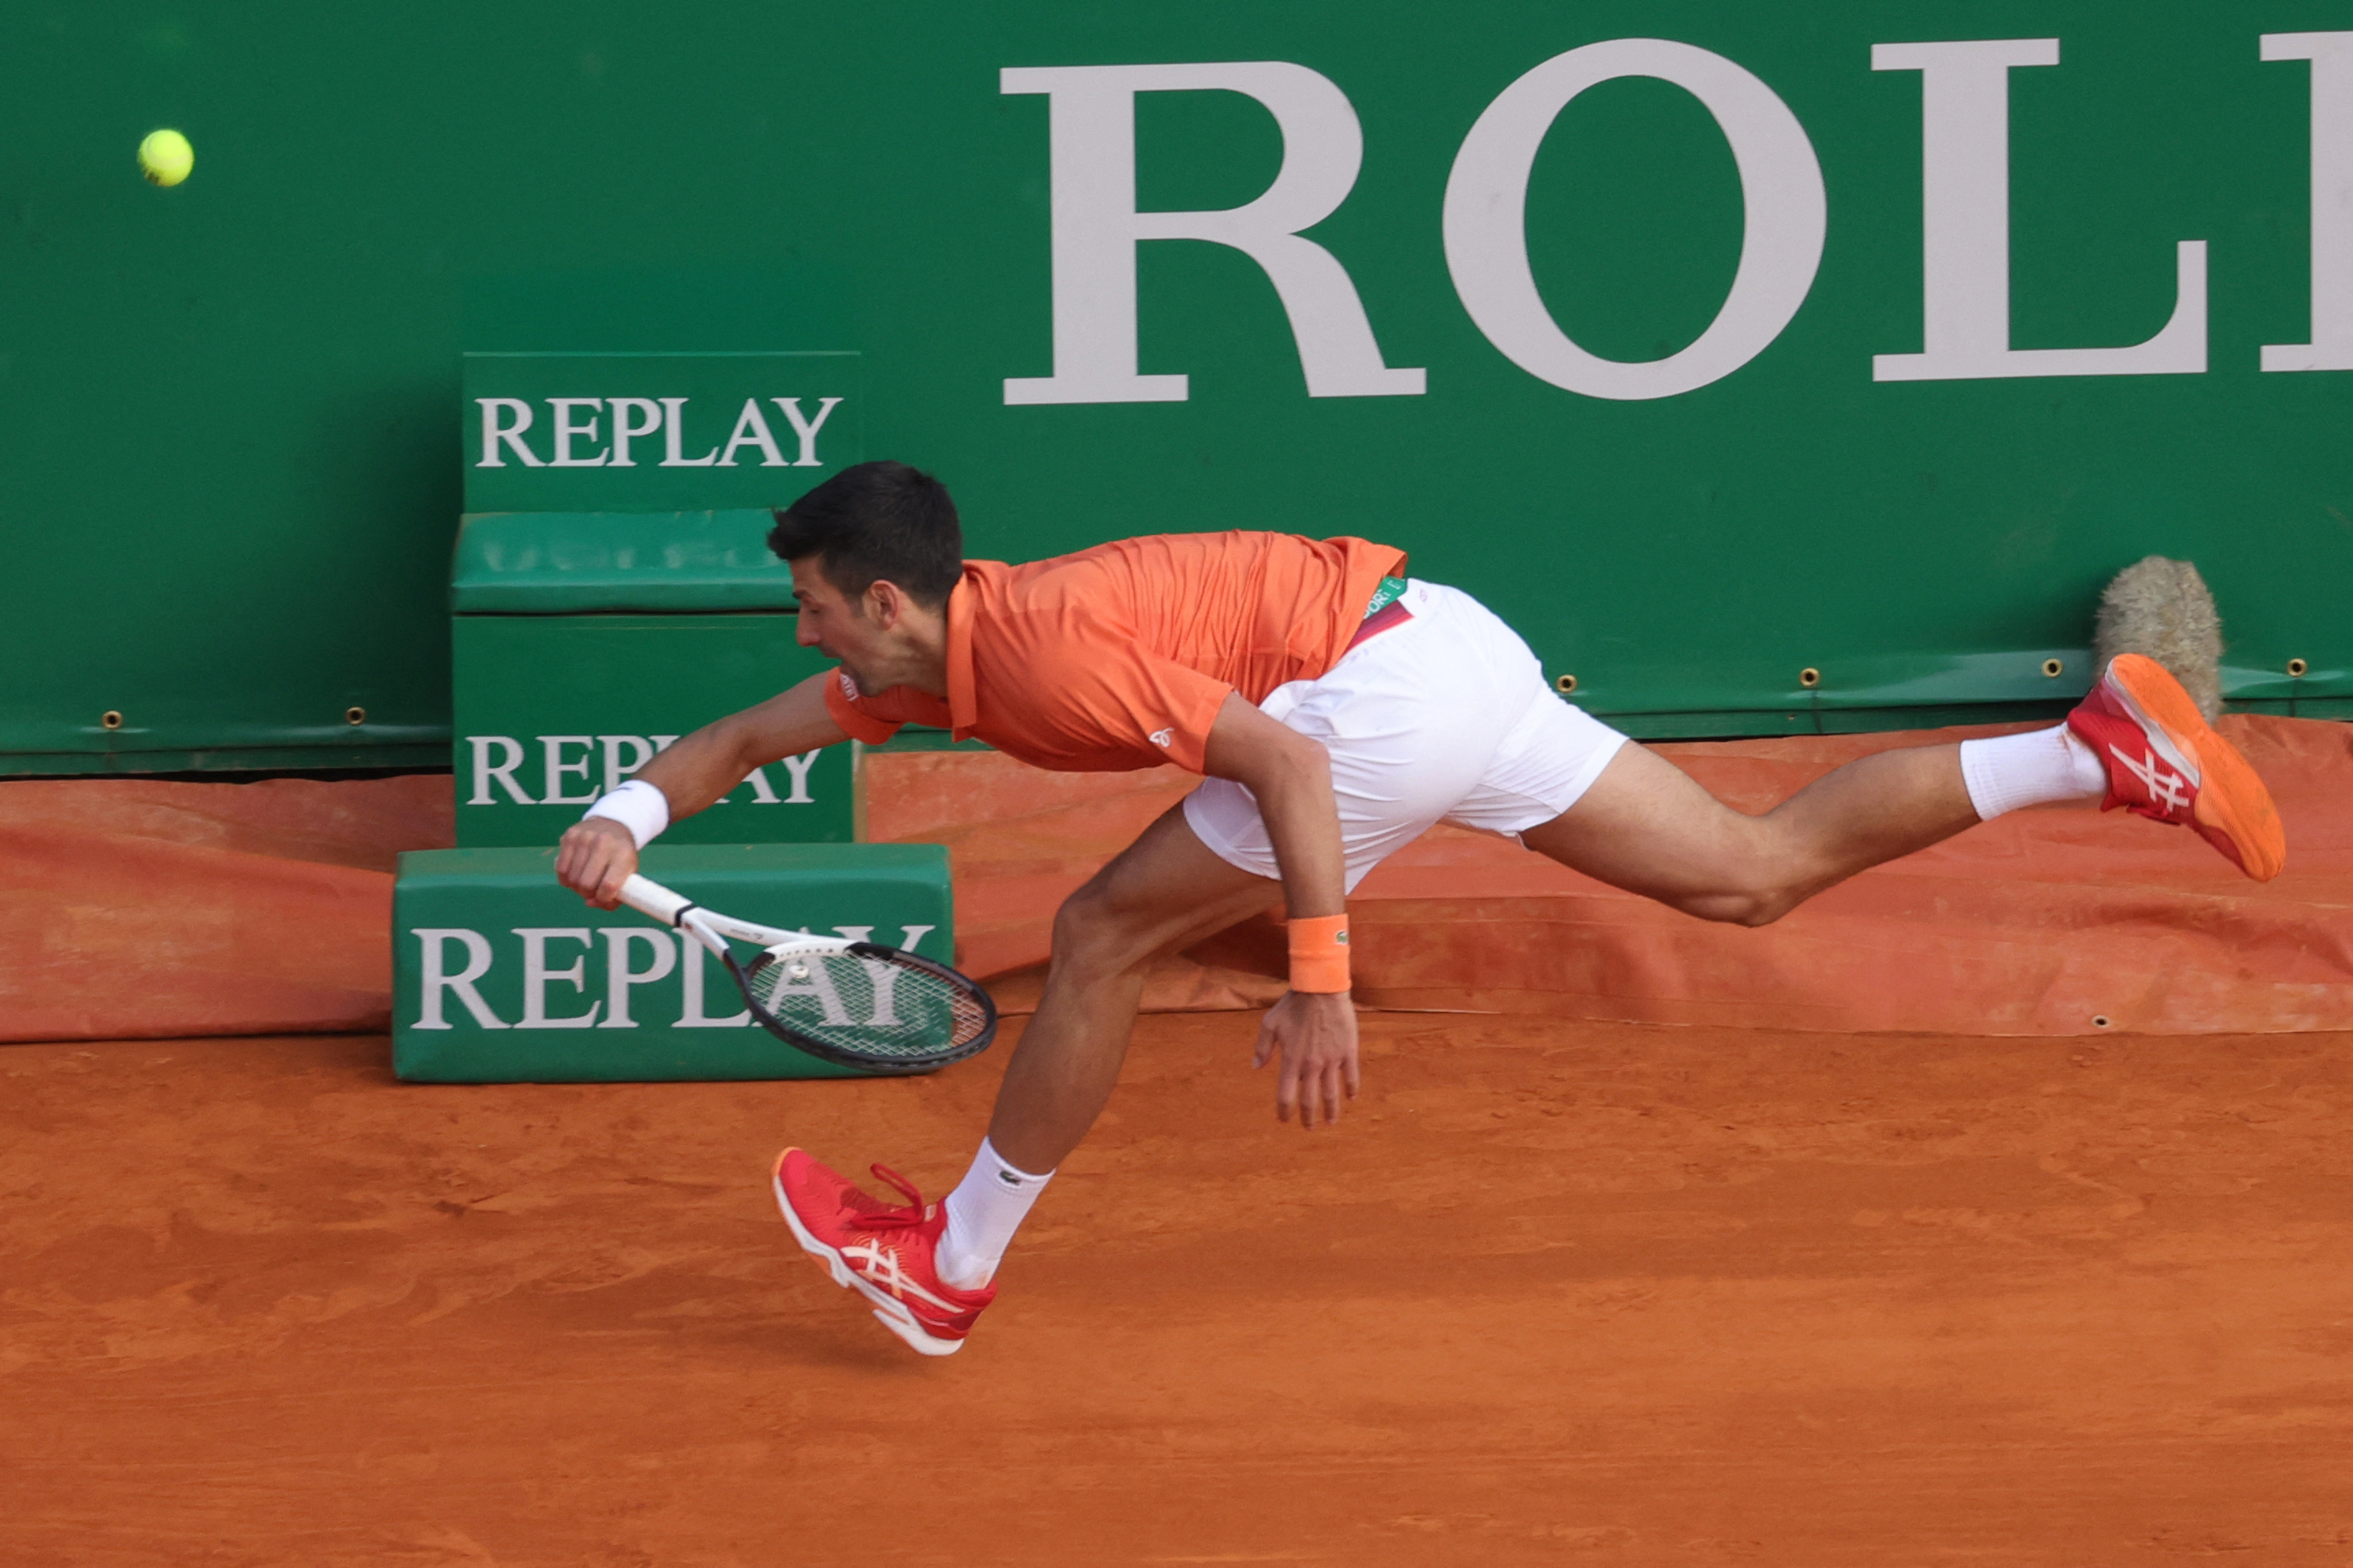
(1146, 550)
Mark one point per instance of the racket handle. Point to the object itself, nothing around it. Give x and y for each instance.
(651, 899)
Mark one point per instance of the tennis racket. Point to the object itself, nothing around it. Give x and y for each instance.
(857, 1004)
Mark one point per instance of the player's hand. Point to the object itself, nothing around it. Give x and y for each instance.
(1315, 1034)
(596, 856)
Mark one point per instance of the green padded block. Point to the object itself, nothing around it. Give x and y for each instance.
(501, 975)
(552, 710)
(566, 563)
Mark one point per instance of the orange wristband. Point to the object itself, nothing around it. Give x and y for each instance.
(1319, 954)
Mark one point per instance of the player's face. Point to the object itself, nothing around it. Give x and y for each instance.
(838, 627)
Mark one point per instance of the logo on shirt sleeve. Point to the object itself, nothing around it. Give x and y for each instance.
(1161, 738)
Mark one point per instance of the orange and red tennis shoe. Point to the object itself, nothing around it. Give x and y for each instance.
(884, 1253)
(2164, 763)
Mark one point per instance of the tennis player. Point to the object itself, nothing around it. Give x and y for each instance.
(1337, 709)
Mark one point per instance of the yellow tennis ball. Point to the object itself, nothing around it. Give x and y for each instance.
(165, 157)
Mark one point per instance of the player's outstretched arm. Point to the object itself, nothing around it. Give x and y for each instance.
(699, 769)
(597, 854)
(1291, 778)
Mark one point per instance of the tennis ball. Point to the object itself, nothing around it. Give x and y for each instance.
(165, 157)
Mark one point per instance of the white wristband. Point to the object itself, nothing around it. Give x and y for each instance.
(637, 806)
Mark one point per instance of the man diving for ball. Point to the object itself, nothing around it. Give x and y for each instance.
(1336, 708)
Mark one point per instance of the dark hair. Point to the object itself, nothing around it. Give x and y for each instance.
(877, 520)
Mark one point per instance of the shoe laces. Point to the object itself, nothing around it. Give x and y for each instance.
(895, 1219)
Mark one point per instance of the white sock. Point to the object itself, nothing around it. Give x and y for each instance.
(986, 1207)
(2041, 765)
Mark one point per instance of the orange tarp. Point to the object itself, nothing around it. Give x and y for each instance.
(137, 908)
(132, 908)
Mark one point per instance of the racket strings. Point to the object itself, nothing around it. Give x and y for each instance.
(874, 1006)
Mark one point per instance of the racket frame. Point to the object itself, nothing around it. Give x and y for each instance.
(713, 929)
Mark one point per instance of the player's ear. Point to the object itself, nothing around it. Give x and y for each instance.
(884, 603)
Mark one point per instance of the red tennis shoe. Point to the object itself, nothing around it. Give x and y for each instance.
(2165, 765)
(885, 1254)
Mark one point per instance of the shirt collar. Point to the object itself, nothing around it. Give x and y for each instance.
(963, 708)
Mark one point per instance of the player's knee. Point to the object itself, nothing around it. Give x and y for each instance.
(1761, 910)
(1757, 904)
(1092, 938)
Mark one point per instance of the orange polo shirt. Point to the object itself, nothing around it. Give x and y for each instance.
(1119, 656)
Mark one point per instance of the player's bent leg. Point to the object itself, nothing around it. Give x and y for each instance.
(927, 1269)
(1647, 827)
(1165, 891)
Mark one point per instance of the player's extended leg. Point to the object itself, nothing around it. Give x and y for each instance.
(1649, 828)
(2137, 741)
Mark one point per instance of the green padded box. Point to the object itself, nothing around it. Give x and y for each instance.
(583, 643)
(501, 975)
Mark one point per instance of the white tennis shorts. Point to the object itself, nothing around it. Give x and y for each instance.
(1443, 718)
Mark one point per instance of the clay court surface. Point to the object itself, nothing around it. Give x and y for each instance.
(1560, 1291)
(2009, 1288)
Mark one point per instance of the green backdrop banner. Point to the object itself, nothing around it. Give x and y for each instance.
(1710, 344)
